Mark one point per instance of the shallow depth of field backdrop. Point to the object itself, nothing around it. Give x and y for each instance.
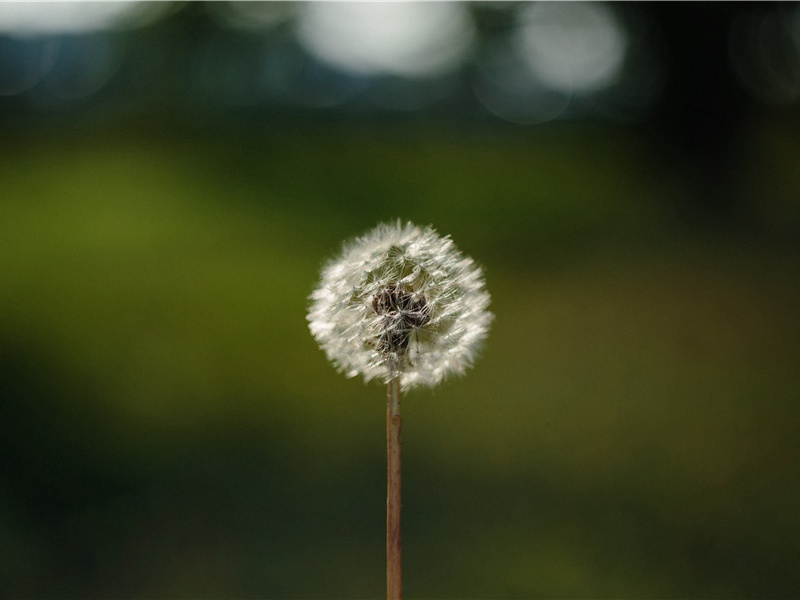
(172, 177)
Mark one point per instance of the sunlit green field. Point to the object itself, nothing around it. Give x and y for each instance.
(171, 430)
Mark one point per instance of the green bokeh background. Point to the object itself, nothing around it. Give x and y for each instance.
(169, 428)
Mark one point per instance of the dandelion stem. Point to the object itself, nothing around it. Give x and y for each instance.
(394, 566)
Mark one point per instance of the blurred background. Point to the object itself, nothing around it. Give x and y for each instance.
(172, 177)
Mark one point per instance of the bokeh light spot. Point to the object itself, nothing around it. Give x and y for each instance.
(252, 16)
(48, 18)
(764, 48)
(407, 39)
(571, 46)
(23, 63)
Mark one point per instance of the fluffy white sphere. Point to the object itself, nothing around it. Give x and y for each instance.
(401, 301)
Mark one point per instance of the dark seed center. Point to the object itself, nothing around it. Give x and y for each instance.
(402, 311)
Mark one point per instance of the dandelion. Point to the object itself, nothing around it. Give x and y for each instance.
(403, 305)
(401, 302)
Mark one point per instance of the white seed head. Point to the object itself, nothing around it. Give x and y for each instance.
(401, 301)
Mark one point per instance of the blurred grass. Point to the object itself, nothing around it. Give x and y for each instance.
(631, 430)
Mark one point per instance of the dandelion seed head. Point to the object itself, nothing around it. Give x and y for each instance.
(401, 301)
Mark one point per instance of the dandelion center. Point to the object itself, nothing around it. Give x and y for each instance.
(401, 311)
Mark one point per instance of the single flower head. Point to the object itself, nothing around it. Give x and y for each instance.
(401, 301)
